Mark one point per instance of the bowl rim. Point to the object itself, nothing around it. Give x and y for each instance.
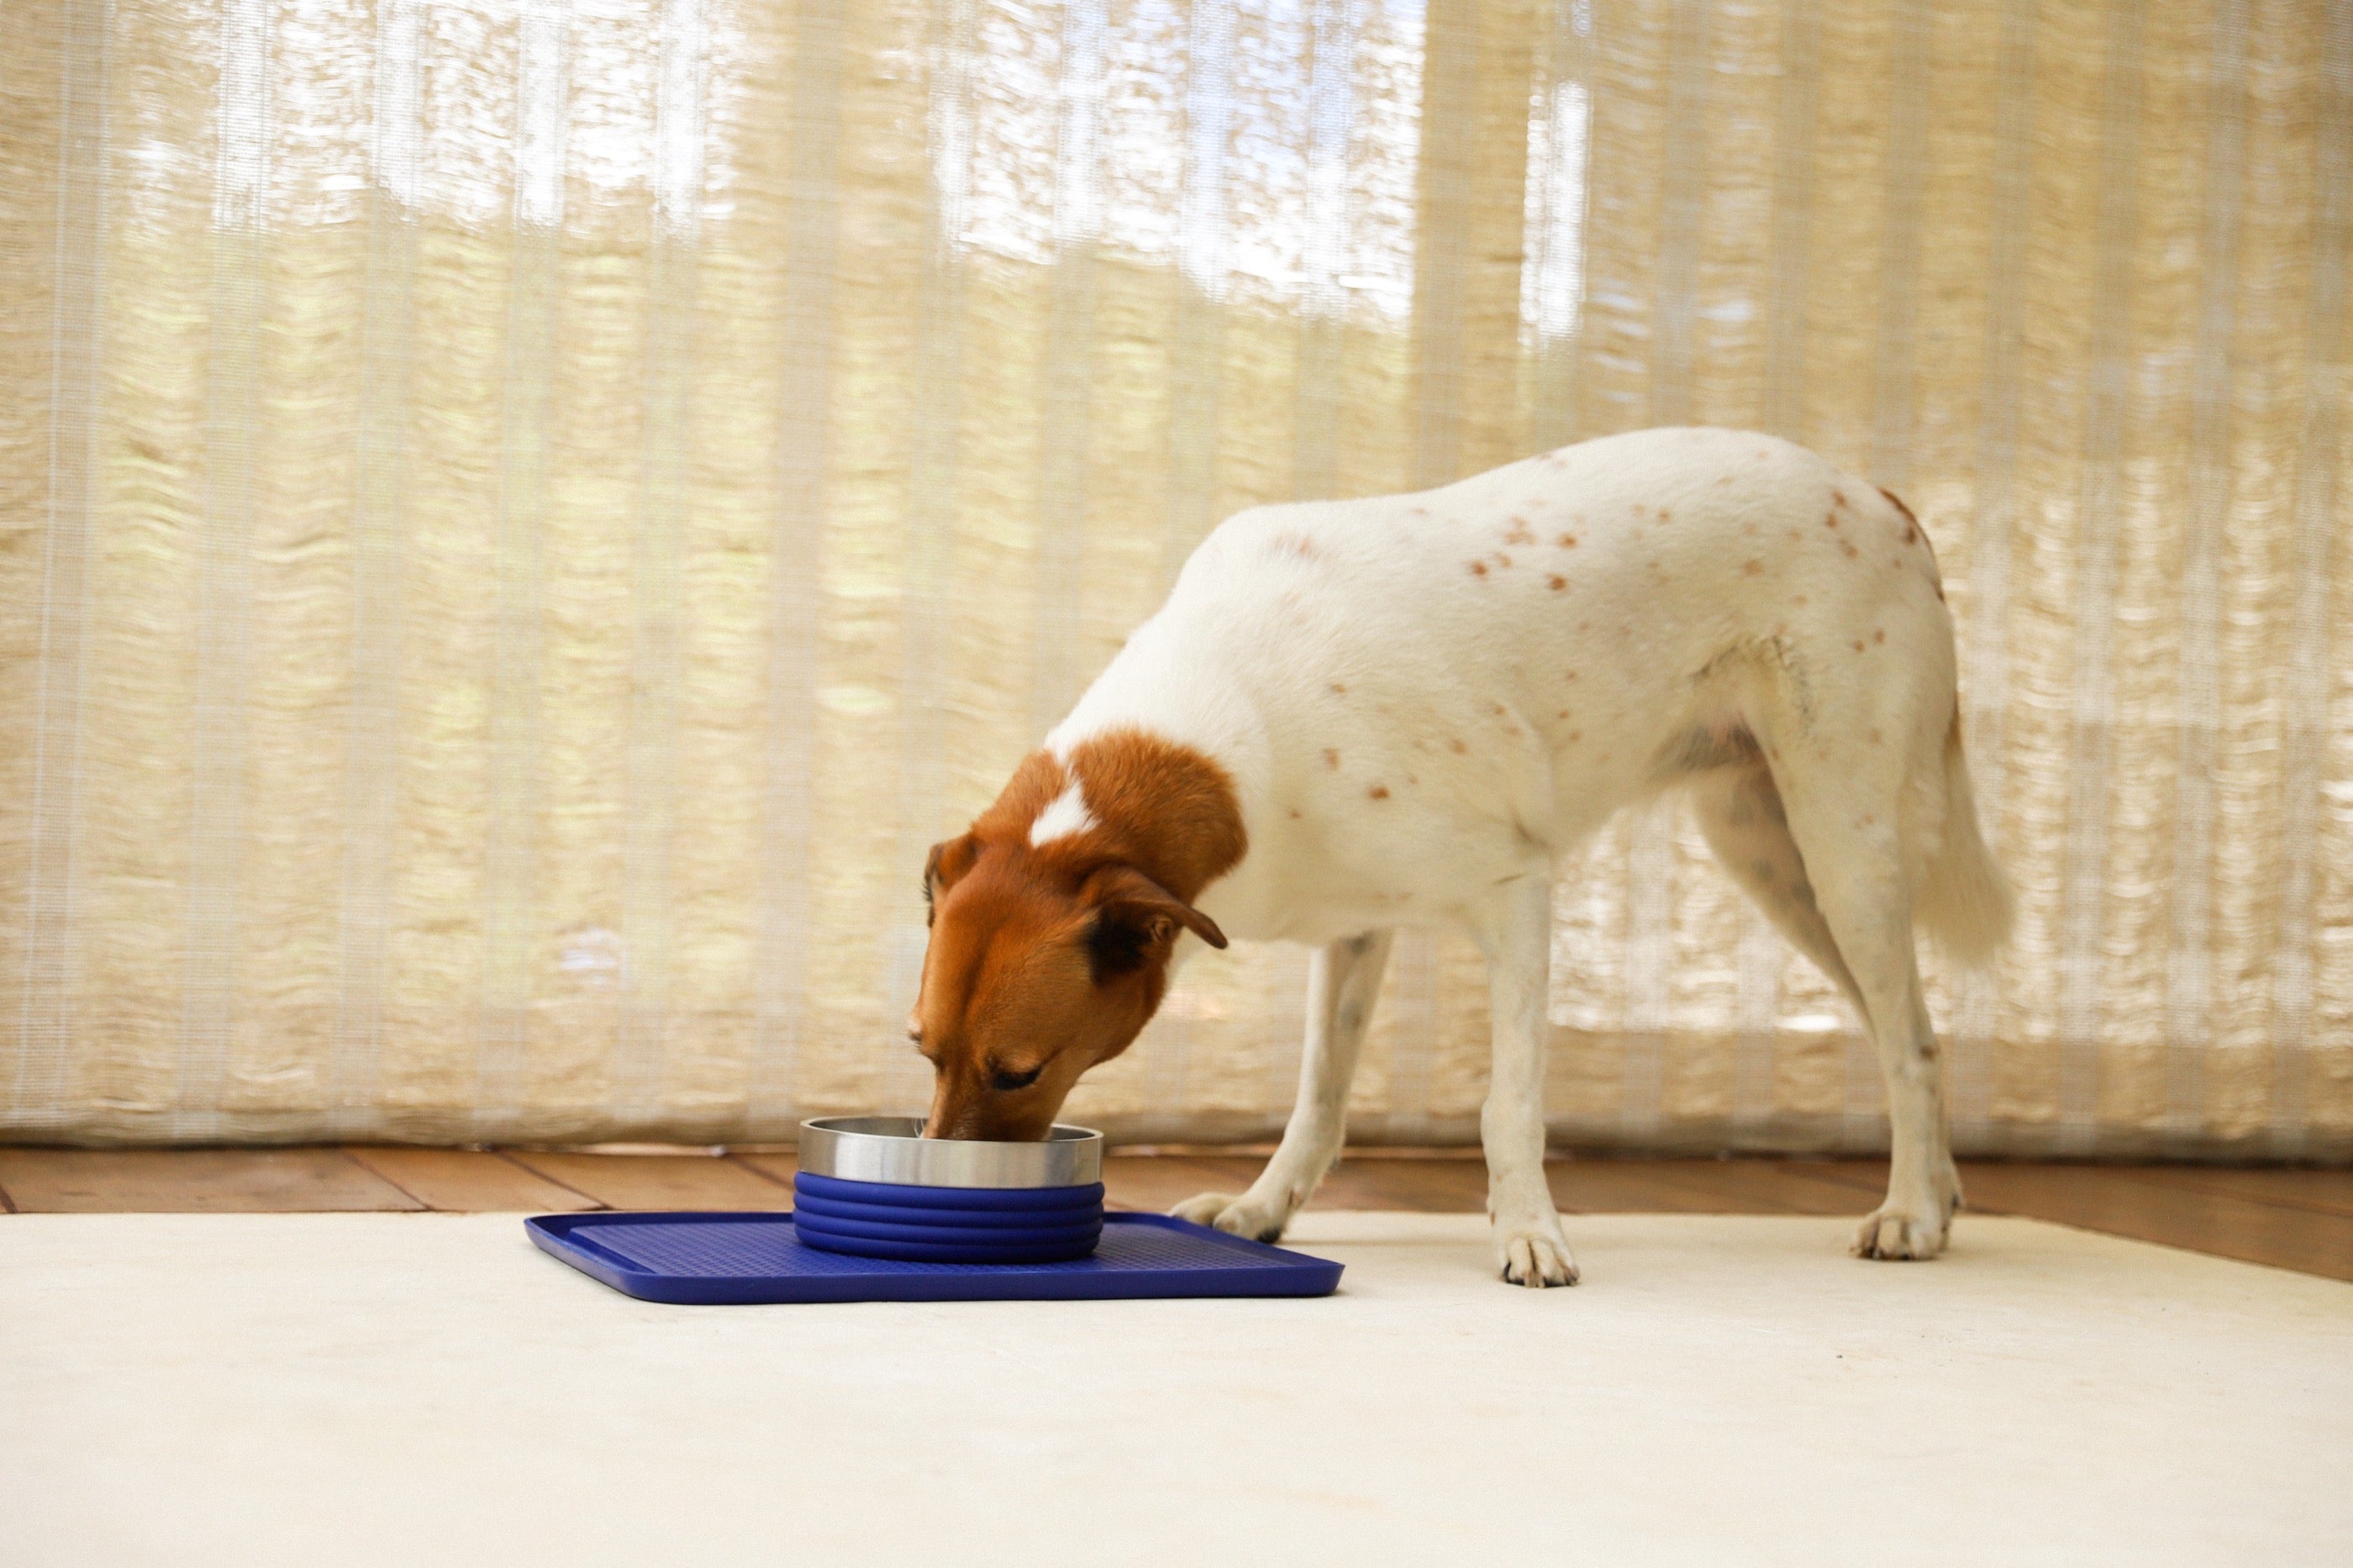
(891, 1149)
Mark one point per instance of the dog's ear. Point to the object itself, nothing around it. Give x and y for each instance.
(1135, 920)
(950, 860)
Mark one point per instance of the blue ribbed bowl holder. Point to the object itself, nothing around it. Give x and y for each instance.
(947, 1225)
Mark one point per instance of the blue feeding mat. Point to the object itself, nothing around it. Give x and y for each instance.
(698, 1259)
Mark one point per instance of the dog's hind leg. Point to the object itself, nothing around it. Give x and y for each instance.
(1516, 934)
(1845, 825)
(1342, 979)
(1741, 815)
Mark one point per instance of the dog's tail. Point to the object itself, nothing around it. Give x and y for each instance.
(1965, 902)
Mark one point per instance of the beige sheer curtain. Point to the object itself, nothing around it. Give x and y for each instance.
(524, 517)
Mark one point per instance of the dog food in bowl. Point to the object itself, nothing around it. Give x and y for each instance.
(874, 1186)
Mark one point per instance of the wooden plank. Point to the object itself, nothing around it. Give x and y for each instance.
(659, 1181)
(1424, 1187)
(1153, 1183)
(2330, 1192)
(2120, 1203)
(193, 1181)
(1764, 1187)
(469, 1181)
(1624, 1186)
(778, 1168)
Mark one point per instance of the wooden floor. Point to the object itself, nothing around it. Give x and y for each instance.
(2297, 1219)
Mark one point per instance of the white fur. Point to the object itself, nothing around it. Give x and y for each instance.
(1065, 815)
(1426, 700)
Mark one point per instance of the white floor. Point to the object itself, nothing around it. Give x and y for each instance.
(359, 1389)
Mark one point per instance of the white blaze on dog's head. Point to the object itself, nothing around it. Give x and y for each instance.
(1066, 816)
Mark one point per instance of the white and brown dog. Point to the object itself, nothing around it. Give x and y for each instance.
(1352, 716)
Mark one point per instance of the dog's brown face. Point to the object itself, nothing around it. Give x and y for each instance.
(1041, 966)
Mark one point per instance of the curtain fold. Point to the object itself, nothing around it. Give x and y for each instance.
(525, 518)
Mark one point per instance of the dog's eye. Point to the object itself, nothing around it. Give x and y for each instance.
(1006, 1082)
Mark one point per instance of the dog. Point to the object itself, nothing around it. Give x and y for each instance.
(1354, 716)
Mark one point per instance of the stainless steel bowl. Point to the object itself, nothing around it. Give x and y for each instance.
(893, 1149)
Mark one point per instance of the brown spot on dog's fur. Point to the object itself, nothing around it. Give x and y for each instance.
(1829, 519)
(1331, 758)
(1664, 515)
(1838, 498)
(1848, 546)
(1858, 647)
(1478, 568)
(1754, 568)
(1557, 581)
(1518, 533)
(1879, 635)
(1339, 688)
(1378, 792)
(1875, 735)
(1503, 560)
(1455, 742)
(1294, 814)
(1566, 542)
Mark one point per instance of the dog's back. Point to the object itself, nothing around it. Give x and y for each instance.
(1452, 685)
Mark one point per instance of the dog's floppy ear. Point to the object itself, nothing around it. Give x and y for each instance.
(1136, 919)
(947, 864)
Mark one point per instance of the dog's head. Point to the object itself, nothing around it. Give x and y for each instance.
(1050, 946)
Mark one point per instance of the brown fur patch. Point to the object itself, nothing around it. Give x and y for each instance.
(1048, 958)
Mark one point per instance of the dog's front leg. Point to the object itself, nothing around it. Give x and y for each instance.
(1518, 940)
(1343, 978)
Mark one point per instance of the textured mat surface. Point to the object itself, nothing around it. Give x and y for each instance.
(382, 1389)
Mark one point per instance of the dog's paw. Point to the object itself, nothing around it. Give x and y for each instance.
(1534, 1254)
(1895, 1232)
(1234, 1216)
